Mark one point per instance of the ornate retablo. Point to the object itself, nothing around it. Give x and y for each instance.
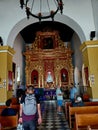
(48, 54)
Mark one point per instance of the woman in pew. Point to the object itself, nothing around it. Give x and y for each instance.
(78, 102)
(8, 111)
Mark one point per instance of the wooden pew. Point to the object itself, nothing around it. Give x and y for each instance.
(9, 122)
(1, 108)
(80, 110)
(67, 104)
(86, 121)
(91, 103)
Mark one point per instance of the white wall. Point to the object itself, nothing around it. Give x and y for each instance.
(77, 55)
(77, 62)
(79, 11)
(18, 60)
(95, 15)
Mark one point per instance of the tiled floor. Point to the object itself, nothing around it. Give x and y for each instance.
(51, 120)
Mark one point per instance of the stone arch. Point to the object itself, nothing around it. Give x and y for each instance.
(60, 18)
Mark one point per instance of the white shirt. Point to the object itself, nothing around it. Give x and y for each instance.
(58, 91)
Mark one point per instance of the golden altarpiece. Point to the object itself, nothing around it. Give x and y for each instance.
(48, 61)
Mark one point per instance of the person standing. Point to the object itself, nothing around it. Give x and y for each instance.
(59, 95)
(73, 93)
(30, 110)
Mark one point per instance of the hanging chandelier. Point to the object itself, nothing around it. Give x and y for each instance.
(51, 7)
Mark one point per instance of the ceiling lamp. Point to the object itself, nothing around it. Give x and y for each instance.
(51, 7)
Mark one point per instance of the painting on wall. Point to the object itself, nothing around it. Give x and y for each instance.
(10, 83)
(86, 76)
(47, 43)
(14, 69)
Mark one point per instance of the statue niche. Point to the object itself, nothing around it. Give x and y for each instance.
(64, 76)
(34, 77)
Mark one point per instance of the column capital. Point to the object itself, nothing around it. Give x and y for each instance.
(89, 44)
(7, 49)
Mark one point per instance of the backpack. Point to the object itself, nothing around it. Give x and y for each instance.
(29, 105)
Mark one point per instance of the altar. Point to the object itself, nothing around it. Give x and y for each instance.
(46, 94)
(48, 61)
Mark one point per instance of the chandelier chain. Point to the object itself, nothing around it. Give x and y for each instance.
(40, 16)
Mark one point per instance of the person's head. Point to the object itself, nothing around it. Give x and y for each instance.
(58, 86)
(8, 102)
(79, 99)
(71, 86)
(30, 89)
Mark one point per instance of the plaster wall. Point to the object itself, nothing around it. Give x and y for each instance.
(18, 56)
(80, 12)
(95, 15)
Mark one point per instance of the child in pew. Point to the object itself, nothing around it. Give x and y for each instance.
(8, 111)
(78, 102)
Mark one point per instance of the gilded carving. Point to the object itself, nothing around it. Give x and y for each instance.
(51, 59)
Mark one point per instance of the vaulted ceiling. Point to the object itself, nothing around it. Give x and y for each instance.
(29, 32)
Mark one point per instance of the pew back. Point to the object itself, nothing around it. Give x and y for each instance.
(9, 121)
(67, 104)
(16, 107)
(84, 120)
(91, 103)
(80, 110)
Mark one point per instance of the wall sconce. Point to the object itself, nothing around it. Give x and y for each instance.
(0, 79)
(4, 82)
(92, 35)
(1, 41)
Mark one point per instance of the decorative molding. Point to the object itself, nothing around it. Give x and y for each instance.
(89, 46)
(48, 60)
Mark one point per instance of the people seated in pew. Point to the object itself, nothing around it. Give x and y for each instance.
(8, 111)
(73, 93)
(78, 102)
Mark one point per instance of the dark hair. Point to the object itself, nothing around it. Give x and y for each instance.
(30, 87)
(8, 102)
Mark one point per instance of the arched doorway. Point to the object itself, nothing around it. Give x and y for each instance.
(21, 26)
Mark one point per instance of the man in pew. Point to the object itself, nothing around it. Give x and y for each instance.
(8, 111)
(78, 102)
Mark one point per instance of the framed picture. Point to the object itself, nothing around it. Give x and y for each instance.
(86, 75)
(10, 82)
(47, 43)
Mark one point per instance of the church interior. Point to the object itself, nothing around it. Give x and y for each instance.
(49, 50)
